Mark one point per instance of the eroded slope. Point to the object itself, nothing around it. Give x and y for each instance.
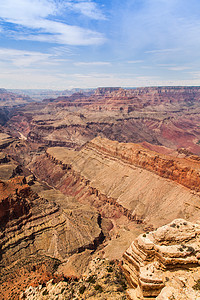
(144, 185)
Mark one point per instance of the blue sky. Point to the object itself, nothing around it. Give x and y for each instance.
(63, 44)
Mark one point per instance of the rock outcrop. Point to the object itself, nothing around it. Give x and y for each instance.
(168, 257)
(5, 140)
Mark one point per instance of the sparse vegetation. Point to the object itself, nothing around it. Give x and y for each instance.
(99, 288)
(82, 289)
(91, 279)
(110, 269)
(191, 249)
(197, 285)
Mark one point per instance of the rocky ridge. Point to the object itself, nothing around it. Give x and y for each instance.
(33, 225)
(131, 99)
(184, 171)
(10, 99)
(165, 263)
(167, 116)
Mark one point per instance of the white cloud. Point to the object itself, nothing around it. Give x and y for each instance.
(35, 14)
(57, 32)
(22, 58)
(87, 8)
(24, 12)
(94, 63)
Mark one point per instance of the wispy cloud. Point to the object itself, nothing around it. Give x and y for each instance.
(87, 8)
(36, 15)
(179, 68)
(135, 61)
(163, 51)
(94, 63)
(22, 58)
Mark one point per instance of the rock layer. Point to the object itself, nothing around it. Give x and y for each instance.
(167, 116)
(131, 99)
(154, 256)
(32, 225)
(184, 171)
(110, 172)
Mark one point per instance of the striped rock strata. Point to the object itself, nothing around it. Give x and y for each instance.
(167, 256)
(145, 185)
(34, 226)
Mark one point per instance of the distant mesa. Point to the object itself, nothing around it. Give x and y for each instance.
(9, 99)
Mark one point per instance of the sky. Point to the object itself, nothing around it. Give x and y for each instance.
(65, 44)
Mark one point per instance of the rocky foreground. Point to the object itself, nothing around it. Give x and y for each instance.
(165, 263)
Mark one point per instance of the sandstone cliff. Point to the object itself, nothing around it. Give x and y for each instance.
(142, 184)
(184, 171)
(168, 257)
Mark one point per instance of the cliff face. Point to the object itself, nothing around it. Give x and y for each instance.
(168, 257)
(14, 202)
(36, 226)
(142, 184)
(167, 116)
(131, 99)
(10, 99)
(183, 171)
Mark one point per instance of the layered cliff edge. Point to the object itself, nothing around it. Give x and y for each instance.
(131, 99)
(184, 171)
(165, 263)
(147, 186)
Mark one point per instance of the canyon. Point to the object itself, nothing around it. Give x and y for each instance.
(84, 176)
(167, 116)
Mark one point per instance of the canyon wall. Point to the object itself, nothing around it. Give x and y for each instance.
(184, 171)
(131, 99)
(35, 226)
(167, 116)
(144, 188)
